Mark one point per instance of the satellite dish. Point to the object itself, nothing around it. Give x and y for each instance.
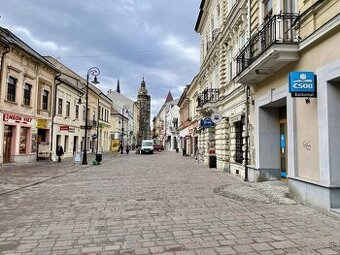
(216, 117)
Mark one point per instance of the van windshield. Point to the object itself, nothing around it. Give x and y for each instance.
(147, 143)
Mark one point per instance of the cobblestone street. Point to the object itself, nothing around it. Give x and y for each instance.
(155, 204)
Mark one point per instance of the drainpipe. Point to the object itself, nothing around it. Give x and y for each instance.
(57, 82)
(8, 49)
(246, 133)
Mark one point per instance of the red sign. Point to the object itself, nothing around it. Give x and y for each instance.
(16, 118)
(64, 128)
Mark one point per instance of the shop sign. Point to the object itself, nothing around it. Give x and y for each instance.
(216, 117)
(42, 123)
(302, 84)
(236, 118)
(64, 128)
(16, 118)
(207, 123)
(71, 129)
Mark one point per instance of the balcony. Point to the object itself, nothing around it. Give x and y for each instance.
(208, 96)
(269, 50)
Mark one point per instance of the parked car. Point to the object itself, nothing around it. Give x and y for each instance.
(147, 147)
(158, 147)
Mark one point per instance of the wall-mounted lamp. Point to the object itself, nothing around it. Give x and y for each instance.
(307, 100)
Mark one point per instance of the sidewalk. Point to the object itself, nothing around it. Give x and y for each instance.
(18, 176)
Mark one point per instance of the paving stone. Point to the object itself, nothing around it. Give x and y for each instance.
(162, 204)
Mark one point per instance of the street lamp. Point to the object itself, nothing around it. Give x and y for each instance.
(93, 71)
(124, 109)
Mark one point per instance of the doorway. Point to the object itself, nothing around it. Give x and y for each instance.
(75, 144)
(283, 142)
(7, 143)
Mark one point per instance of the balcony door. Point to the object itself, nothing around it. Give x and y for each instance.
(289, 6)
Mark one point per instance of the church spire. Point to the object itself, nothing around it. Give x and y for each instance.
(169, 97)
(118, 87)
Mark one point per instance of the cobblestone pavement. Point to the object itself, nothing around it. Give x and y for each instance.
(17, 176)
(157, 204)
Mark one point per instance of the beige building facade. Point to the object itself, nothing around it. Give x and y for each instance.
(69, 114)
(248, 49)
(295, 138)
(26, 101)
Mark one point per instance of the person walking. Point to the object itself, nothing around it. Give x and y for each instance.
(127, 149)
(60, 152)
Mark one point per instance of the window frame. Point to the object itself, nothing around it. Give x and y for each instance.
(11, 89)
(68, 108)
(27, 94)
(45, 100)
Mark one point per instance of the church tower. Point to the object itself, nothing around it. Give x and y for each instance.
(144, 103)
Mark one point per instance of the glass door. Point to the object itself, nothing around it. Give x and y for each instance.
(283, 148)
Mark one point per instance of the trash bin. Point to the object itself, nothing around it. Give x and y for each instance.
(99, 158)
(212, 161)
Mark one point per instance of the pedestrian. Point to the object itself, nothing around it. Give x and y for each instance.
(127, 149)
(177, 149)
(60, 152)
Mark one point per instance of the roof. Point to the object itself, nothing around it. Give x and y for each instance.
(74, 79)
(9, 38)
(199, 15)
(169, 97)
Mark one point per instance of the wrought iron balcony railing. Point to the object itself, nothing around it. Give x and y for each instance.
(279, 29)
(207, 96)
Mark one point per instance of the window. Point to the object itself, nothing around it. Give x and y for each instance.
(27, 94)
(242, 40)
(45, 100)
(11, 89)
(68, 108)
(84, 112)
(268, 9)
(23, 140)
(238, 142)
(60, 106)
(77, 111)
(230, 63)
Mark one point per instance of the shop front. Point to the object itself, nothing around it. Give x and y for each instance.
(18, 138)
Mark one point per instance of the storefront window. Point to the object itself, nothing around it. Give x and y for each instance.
(23, 140)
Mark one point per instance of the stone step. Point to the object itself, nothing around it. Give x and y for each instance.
(335, 212)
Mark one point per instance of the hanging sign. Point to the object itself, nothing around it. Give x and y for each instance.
(207, 123)
(216, 117)
(302, 84)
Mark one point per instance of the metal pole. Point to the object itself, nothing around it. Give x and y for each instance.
(86, 113)
(97, 127)
(121, 142)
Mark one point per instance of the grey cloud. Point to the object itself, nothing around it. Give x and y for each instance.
(126, 39)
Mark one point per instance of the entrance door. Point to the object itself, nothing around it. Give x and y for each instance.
(283, 145)
(75, 144)
(7, 143)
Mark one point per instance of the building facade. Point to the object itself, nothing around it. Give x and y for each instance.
(26, 101)
(248, 50)
(69, 114)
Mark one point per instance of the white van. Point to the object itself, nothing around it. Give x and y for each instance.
(147, 147)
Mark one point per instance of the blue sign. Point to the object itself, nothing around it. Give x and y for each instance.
(282, 141)
(302, 84)
(207, 123)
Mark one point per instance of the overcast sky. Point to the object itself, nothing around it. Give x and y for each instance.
(125, 39)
